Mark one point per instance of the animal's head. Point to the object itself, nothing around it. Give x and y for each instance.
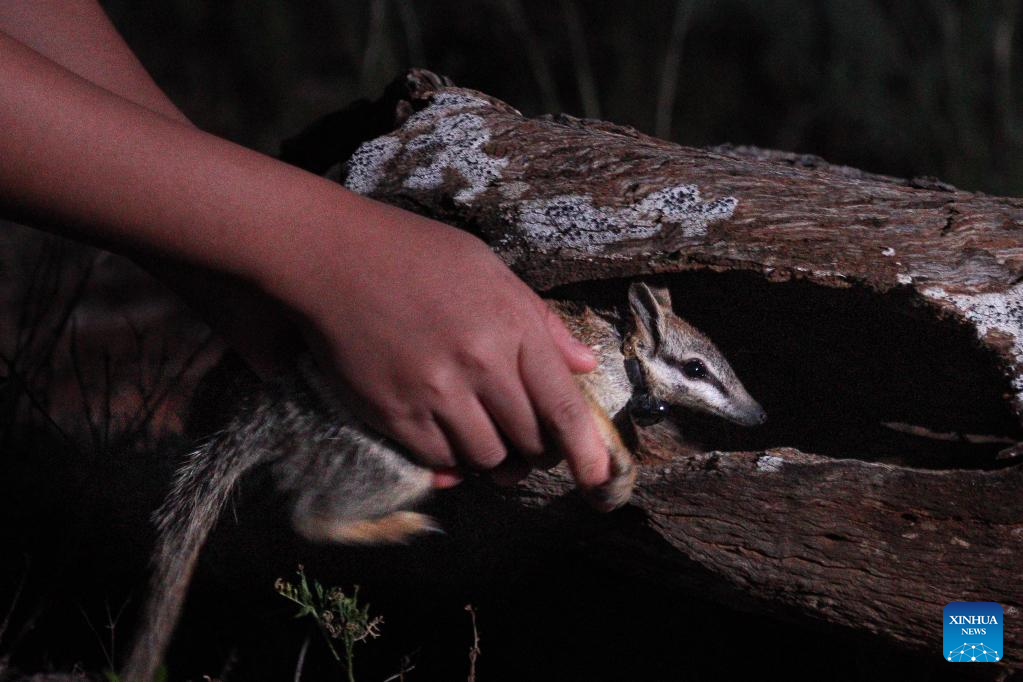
(680, 366)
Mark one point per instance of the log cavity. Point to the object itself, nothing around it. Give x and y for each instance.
(832, 366)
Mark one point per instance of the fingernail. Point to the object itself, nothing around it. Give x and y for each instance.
(446, 478)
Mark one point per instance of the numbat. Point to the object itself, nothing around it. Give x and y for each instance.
(347, 485)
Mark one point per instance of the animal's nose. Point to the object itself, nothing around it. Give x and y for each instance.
(750, 414)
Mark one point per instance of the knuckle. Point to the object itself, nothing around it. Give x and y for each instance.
(436, 387)
(552, 320)
(389, 415)
(478, 357)
(436, 455)
(566, 416)
(488, 457)
(414, 429)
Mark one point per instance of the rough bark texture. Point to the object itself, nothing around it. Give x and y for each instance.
(880, 322)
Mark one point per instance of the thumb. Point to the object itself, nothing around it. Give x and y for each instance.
(578, 356)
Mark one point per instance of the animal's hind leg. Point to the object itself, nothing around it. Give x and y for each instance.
(396, 527)
(357, 489)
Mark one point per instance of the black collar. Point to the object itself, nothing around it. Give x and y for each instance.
(644, 409)
(635, 374)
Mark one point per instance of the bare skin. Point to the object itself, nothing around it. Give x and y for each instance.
(435, 341)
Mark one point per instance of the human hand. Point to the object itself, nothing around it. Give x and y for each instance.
(438, 345)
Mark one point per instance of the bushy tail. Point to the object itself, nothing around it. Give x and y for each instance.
(201, 489)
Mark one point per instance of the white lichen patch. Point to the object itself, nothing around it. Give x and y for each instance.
(445, 137)
(366, 167)
(888, 252)
(770, 463)
(993, 312)
(446, 141)
(452, 137)
(575, 221)
(457, 142)
(903, 278)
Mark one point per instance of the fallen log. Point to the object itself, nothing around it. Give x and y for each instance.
(879, 321)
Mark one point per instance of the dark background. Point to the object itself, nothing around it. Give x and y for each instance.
(98, 359)
(928, 87)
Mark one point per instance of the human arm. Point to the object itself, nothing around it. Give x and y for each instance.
(78, 35)
(436, 342)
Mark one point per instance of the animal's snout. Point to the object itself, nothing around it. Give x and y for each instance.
(754, 415)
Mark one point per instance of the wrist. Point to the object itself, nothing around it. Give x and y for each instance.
(325, 244)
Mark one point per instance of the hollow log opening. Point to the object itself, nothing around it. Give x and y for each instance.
(843, 372)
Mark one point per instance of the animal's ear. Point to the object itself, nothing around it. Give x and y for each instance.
(649, 306)
(662, 296)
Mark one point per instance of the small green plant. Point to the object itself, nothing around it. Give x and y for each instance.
(338, 616)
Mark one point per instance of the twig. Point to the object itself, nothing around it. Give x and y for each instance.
(32, 309)
(107, 397)
(152, 400)
(99, 640)
(26, 301)
(669, 72)
(374, 41)
(44, 358)
(76, 367)
(474, 652)
(301, 659)
(581, 57)
(1005, 27)
(19, 383)
(17, 596)
(112, 621)
(951, 23)
(534, 55)
(27, 330)
(229, 663)
(413, 35)
(406, 667)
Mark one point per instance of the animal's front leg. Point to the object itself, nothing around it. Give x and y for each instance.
(617, 491)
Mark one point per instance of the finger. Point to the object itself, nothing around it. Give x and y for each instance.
(508, 405)
(418, 433)
(424, 438)
(563, 412)
(511, 471)
(577, 355)
(447, 478)
(470, 430)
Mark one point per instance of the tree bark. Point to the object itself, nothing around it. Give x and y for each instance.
(879, 321)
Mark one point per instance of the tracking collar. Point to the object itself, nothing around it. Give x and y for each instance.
(644, 409)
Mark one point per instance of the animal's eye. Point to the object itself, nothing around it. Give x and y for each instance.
(694, 369)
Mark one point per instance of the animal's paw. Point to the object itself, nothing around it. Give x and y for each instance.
(395, 528)
(618, 489)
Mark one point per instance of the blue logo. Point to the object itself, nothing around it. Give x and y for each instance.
(973, 632)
